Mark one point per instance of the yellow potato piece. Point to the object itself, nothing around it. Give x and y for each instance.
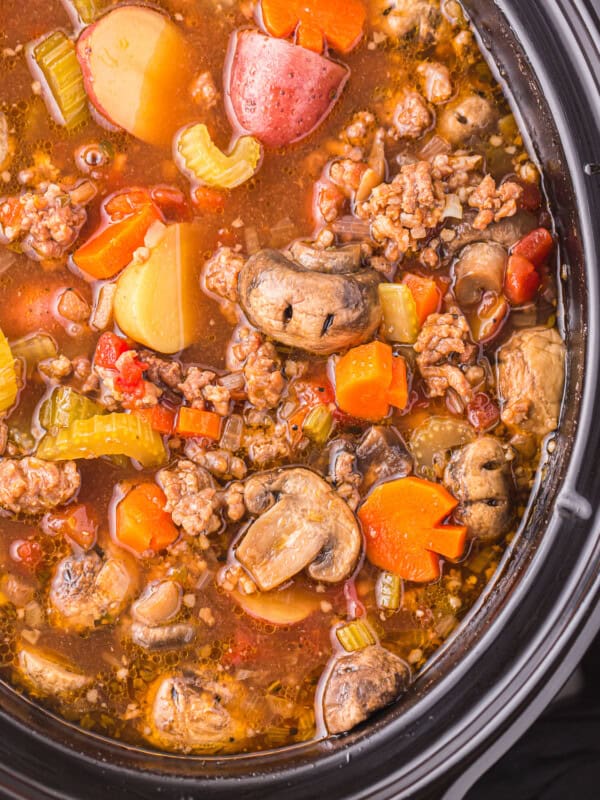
(136, 66)
(158, 303)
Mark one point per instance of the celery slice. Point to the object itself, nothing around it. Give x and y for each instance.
(356, 635)
(86, 10)
(400, 322)
(8, 376)
(64, 406)
(388, 591)
(33, 349)
(106, 435)
(318, 423)
(203, 160)
(56, 57)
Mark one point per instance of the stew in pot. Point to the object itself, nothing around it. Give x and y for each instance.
(279, 357)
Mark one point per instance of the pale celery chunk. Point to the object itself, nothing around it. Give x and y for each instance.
(204, 162)
(400, 322)
(56, 57)
(105, 435)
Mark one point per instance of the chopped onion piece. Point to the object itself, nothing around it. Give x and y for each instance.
(453, 207)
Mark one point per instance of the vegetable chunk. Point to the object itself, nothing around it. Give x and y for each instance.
(158, 301)
(278, 91)
(134, 62)
(402, 525)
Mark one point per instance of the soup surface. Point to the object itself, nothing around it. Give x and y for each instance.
(279, 356)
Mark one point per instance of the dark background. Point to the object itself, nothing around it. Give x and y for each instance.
(559, 757)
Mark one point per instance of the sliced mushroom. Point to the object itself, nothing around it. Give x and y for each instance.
(49, 674)
(531, 374)
(315, 311)
(335, 260)
(197, 710)
(86, 591)
(307, 525)
(382, 454)
(465, 117)
(159, 603)
(506, 232)
(361, 683)
(163, 636)
(480, 268)
(479, 476)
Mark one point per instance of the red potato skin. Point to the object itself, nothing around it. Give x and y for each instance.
(278, 91)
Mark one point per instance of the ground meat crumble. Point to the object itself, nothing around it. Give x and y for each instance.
(192, 499)
(443, 346)
(32, 486)
(45, 221)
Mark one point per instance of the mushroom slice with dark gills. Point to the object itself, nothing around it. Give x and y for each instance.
(361, 683)
(159, 603)
(47, 673)
(87, 591)
(480, 268)
(382, 454)
(198, 710)
(319, 311)
(302, 523)
(334, 260)
(479, 476)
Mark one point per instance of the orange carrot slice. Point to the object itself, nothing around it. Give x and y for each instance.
(402, 520)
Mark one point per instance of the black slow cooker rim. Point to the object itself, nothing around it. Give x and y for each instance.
(365, 764)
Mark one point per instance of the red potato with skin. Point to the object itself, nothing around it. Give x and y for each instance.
(278, 91)
(136, 65)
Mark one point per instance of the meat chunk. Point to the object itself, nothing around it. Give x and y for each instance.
(531, 371)
(264, 376)
(412, 116)
(32, 486)
(197, 710)
(45, 221)
(479, 476)
(382, 454)
(347, 174)
(404, 211)
(220, 463)
(221, 273)
(204, 92)
(158, 370)
(436, 81)
(87, 592)
(302, 523)
(443, 346)
(200, 387)
(494, 202)
(360, 684)
(344, 474)
(192, 499)
(47, 674)
(73, 307)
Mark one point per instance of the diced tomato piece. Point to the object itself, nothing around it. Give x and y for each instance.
(535, 247)
(79, 523)
(28, 552)
(209, 200)
(108, 350)
(483, 413)
(130, 379)
(314, 392)
(172, 202)
(522, 280)
(125, 203)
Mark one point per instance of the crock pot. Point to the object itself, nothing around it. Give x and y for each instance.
(533, 623)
